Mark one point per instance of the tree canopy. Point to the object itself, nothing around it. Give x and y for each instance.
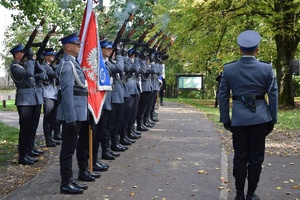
(205, 31)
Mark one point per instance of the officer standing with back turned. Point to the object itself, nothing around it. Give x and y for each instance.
(253, 118)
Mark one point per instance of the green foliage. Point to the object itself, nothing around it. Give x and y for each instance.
(9, 105)
(8, 142)
(205, 31)
(296, 84)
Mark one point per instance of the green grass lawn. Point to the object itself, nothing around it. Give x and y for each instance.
(8, 142)
(9, 105)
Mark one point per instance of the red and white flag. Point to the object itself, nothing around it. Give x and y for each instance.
(89, 59)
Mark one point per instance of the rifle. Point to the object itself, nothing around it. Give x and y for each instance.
(150, 41)
(132, 31)
(30, 40)
(160, 41)
(120, 33)
(57, 57)
(44, 44)
(165, 49)
(142, 37)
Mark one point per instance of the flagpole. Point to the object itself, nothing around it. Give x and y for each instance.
(91, 148)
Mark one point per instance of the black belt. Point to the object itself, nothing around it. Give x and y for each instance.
(80, 93)
(239, 98)
(24, 87)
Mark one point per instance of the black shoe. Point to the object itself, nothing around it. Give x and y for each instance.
(85, 176)
(103, 164)
(79, 185)
(107, 156)
(25, 161)
(38, 151)
(95, 174)
(162, 104)
(117, 148)
(123, 141)
(70, 189)
(155, 119)
(239, 197)
(113, 153)
(137, 132)
(148, 125)
(32, 153)
(57, 142)
(50, 144)
(122, 146)
(99, 168)
(252, 197)
(33, 159)
(130, 140)
(57, 137)
(150, 121)
(142, 128)
(133, 136)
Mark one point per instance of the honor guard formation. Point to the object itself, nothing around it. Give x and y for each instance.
(55, 83)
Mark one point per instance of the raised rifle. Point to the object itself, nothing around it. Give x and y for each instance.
(120, 33)
(30, 40)
(44, 44)
(142, 37)
(150, 42)
(166, 48)
(57, 57)
(160, 41)
(132, 31)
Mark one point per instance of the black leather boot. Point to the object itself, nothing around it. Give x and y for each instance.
(67, 187)
(123, 137)
(103, 164)
(140, 126)
(38, 150)
(106, 155)
(57, 134)
(79, 185)
(98, 167)
(115, 154)
(32, 153)
(49, 141)
(84, 174)
(115, 145)
(25, 161)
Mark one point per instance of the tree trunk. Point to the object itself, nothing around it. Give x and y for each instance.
(284, 76)
(286, 42)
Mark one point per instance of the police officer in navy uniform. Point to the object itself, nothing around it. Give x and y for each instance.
(27, 100)
(72, 110)
(116, 68)
(101, 135)
(130, 68)
(50, 96)
(146, 73)
(253, 118)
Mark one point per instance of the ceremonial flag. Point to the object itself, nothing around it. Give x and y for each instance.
(91, 61)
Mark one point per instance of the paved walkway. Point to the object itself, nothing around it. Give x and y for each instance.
(181, 158)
